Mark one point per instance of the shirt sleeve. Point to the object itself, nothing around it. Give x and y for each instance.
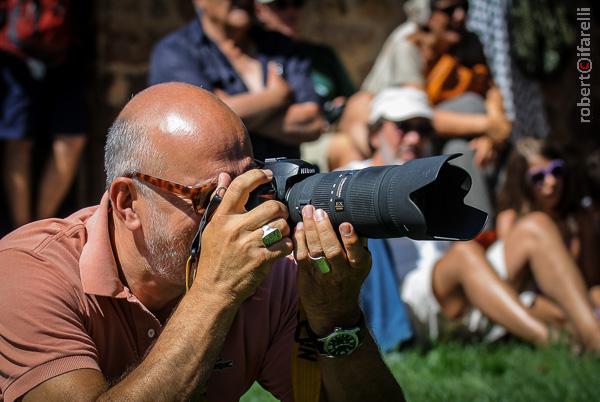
(276, 372)
(42, 330)
(172, 62)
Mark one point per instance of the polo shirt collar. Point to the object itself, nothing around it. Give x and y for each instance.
(97, 265)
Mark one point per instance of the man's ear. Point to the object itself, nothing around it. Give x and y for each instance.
(123, 194)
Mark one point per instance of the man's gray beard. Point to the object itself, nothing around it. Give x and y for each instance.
(167, 254)
(389, 153)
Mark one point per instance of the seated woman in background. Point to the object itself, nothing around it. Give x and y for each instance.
(539, 248)
(547, 187)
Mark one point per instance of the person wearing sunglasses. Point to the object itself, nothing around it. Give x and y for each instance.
(545, 248)
(98, 306)
(453, 288)
(400, 127)
(439, 55)
(537, 179)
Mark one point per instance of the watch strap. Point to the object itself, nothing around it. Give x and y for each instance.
(320, 342)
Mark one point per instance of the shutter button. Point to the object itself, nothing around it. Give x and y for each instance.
(151, 333)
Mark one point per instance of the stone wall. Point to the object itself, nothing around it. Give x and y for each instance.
(126, 30)
(355, 28)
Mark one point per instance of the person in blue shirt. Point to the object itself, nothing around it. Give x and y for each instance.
(257, 73)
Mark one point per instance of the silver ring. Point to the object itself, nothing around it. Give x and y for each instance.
(270, 235)
(219, 189)
(321, 263)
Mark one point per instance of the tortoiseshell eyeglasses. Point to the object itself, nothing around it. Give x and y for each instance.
(199, 194)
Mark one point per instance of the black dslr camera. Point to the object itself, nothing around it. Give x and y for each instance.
(422, 199)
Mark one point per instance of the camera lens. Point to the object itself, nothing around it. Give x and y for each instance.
(422, 199)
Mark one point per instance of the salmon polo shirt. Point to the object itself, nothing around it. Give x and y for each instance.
(63, 308)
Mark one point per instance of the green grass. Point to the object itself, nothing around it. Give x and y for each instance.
(511, 372)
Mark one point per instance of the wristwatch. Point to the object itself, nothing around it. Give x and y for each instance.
(340, 342)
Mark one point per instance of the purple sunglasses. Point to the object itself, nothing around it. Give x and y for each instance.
(556, 168)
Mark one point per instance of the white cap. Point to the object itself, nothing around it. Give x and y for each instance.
(400, 103)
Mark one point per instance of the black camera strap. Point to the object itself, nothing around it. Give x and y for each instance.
(192, 262)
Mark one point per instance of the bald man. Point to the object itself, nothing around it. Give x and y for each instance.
(93, 307)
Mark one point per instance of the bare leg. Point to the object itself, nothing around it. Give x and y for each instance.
(595, 296)
(464, 277)
(549, 312)
(17, 179)
(341, 151)
(354, 124)
(535, 242)
(58, 174)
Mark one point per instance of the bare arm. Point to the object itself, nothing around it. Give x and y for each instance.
(300, 122)
(455, 124)
(179, 364)
(253, 105)
(354, 120)
(589, 260)
(362, 376)
(331, 300)
(493, 124)
(171, 371)
(505, 222)
(269, 114)
(484, 151)
(176, 365)
(254, 108)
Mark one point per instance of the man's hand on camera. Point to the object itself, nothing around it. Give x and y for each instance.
(233, 259)
(329, 299)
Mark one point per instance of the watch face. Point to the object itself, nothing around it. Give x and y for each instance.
(340, 344)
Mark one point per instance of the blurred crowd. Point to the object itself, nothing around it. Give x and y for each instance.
(444, 82)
